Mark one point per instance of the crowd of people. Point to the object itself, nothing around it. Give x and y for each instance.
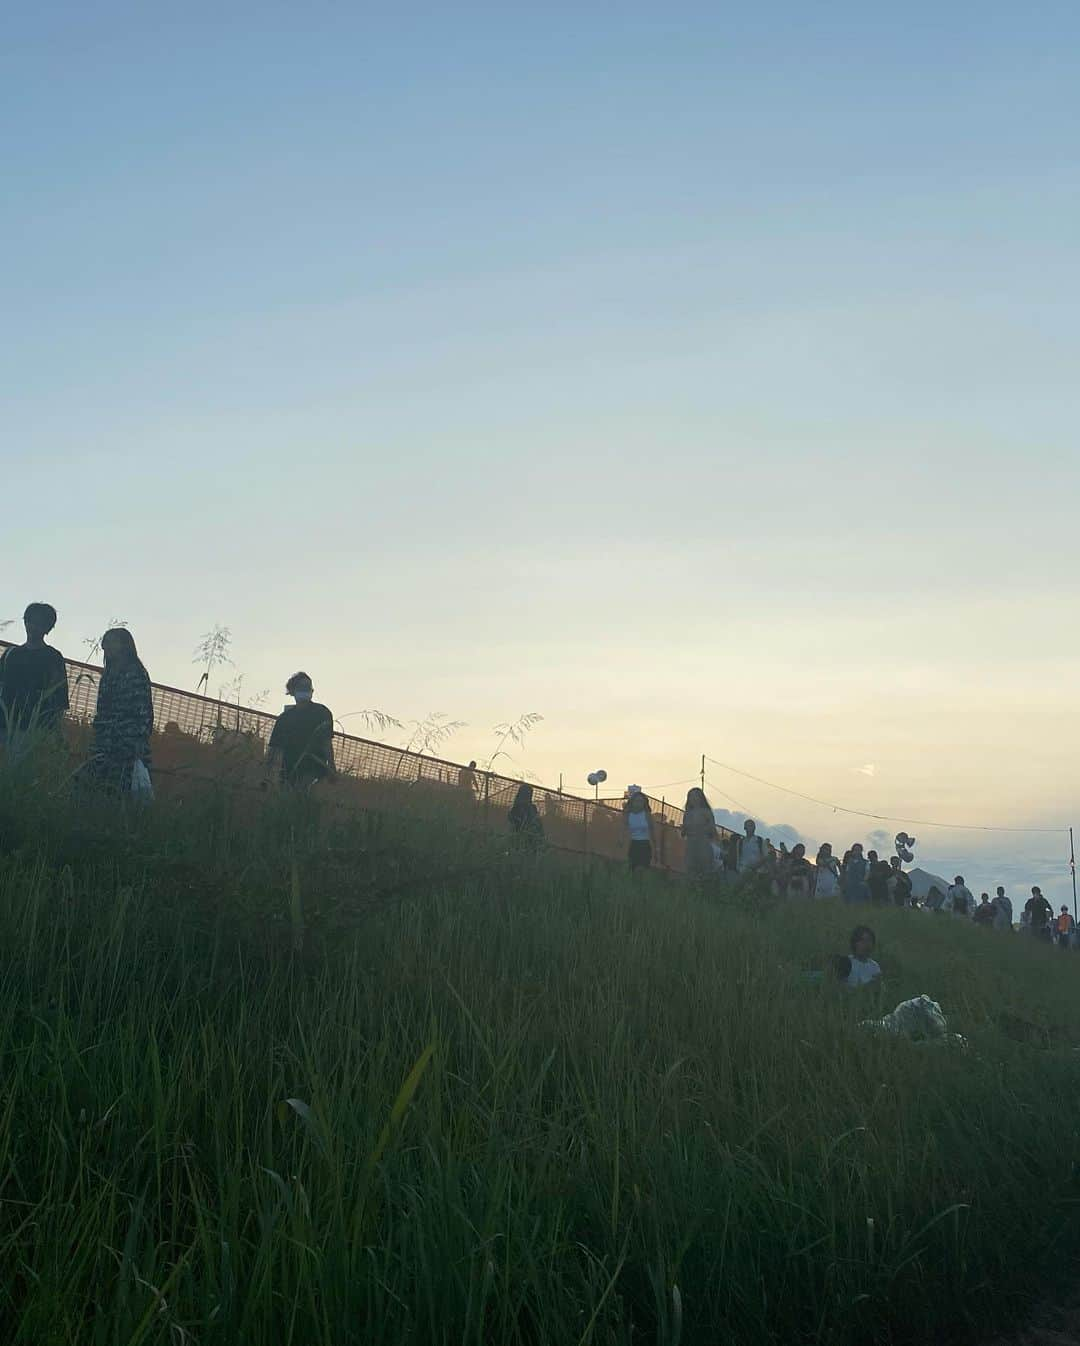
(858, 877)
(300, 752)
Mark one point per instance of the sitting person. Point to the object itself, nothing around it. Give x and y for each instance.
(860, 969)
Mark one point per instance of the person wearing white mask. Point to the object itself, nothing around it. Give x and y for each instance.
(302, 741)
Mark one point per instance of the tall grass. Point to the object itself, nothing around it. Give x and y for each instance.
(292, 1078)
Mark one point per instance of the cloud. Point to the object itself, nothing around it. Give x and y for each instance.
(868, 770)
(775, 832)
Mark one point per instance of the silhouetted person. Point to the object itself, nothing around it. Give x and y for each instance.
(1039, 912)
(984, 912)
(853, 875)
(753, 852)
(899, 885)
(33, 678)
(827, 872)
(302, 740)
(524, 817)
(1003, 911)
(466, 779)
(125, 714)
(796, 873)
(961, 900)
(877, 877)
(699, 830)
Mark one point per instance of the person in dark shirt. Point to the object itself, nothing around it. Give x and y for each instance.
(1039, 911)
(524, 818)
(302, 740)
(878, 874)
(124, 719)
(33, 677)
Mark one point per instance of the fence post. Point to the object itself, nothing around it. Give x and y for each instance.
(585, 827)
(663, 832)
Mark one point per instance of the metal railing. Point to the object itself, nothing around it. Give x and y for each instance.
(198, 740)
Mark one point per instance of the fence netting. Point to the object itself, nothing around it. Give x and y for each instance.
(199, 740)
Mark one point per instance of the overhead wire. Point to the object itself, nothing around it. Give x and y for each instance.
(879, 817)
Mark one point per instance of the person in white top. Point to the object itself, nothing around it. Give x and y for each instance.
(639, 824)
(752, 852)
(827, 880)
(960, 900)
(861, 968)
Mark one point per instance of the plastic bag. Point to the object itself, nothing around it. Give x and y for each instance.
(141, 785)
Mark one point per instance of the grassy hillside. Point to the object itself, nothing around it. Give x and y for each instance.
(279, 1078)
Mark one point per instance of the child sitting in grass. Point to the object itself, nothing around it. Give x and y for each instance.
(859, 969)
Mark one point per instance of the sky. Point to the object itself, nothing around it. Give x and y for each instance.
(699, 377)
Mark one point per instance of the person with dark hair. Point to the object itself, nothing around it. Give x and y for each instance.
(753, 852)
(699, 829)
(984, 913)
(1064, 928)
(1039, 912)
(301, 743)
(524, 818)
(899, 884)
(826, 872)
(796, 873)
(120, 754)
(1003, 911)
(878, 873)
(466, 779)
(864, 971)
(33, 678)
(961, 900)
(853, 876)
(935, 899)
(639, 825)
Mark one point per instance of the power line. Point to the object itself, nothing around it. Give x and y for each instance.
(690, 780)
(878, 817)
(716, 790)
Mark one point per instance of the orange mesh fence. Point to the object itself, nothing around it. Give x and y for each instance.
(199, 740)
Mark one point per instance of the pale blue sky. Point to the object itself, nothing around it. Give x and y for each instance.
(622, 363)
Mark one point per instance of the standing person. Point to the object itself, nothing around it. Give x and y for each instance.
(899, 885)
(878, 874)
(699, 829)
(752, 851)
(1064, 927)
(301, 743)
(984, 914)
(1039, 912)
(827, 880)
(639, 825)
(797, 874)
(524, 818)
(853, 878)
(33, 678)
(935, 899)
(466, 779)
(120, 754)
(1003, 910)
(961, 900)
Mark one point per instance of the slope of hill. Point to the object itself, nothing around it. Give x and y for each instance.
(279, 1076)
